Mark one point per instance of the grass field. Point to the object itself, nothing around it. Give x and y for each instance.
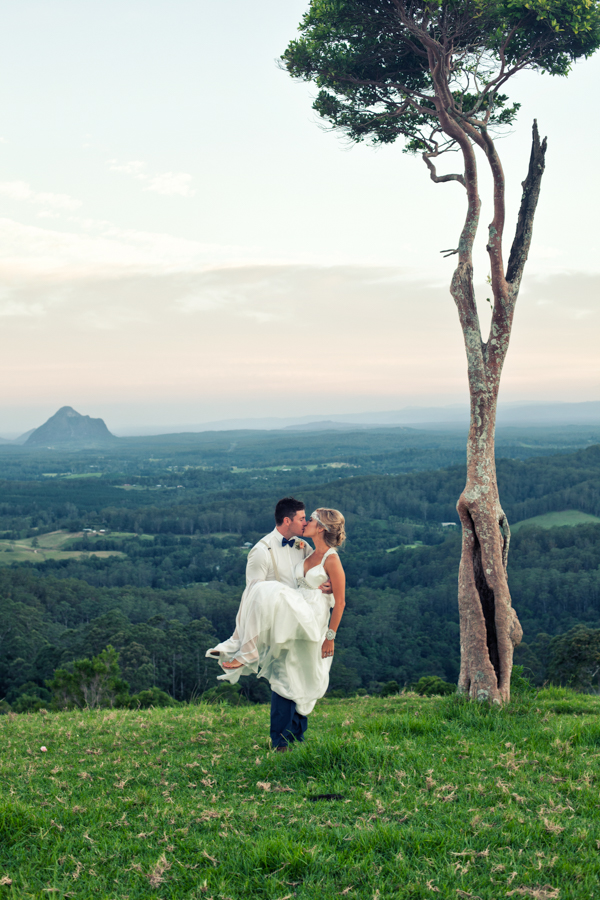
(70, 475)
(53, 545)
(556, 519)
(238, 470)
(406, 546)
(435, 798)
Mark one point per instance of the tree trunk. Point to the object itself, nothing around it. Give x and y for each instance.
(489, 627)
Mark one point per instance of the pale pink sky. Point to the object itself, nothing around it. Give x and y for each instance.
(181, 242)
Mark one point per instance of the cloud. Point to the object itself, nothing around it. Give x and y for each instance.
(11, 309)
(21, 190)
(101, 250)
(171, 183)
(168, 184)
(134, 167)
(316, 335)
(135, 314)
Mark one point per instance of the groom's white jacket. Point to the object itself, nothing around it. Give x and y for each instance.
(269, 561)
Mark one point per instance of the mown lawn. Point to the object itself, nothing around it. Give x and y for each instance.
(437, 798)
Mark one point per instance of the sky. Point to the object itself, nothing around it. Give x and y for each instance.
(182, 241)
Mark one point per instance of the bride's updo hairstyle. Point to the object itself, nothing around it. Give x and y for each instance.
(334, 524)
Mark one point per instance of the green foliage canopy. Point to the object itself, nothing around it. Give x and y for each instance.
(575, 658)
(169, 598)
(433, 686)
(385, 69)
(91, 683)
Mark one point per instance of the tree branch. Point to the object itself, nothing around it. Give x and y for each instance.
(440, 179)
(529, 199)
(369, 82)
(454, 131)
(496, 228)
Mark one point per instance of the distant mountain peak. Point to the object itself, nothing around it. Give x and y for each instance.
(67, 426)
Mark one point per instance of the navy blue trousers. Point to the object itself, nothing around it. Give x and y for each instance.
(287, 725)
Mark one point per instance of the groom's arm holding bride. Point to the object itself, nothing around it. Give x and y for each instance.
(259, 566)
(274, 557)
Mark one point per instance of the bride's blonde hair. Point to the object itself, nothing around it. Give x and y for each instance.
(334, 524)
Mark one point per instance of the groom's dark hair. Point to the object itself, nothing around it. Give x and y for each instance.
(287, 509)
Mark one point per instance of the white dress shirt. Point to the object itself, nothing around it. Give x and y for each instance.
(270, 561)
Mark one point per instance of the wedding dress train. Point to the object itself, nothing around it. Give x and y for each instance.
(278, 635)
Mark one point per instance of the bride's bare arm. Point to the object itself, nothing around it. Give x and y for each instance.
(337, 576)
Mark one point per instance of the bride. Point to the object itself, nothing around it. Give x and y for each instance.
(286, 635)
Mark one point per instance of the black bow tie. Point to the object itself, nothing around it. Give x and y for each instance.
(291, 542)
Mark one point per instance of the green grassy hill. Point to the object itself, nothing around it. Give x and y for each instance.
(53, 545)
(436, 797)
(557, 520)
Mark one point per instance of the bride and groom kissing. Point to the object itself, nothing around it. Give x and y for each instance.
(289, 614)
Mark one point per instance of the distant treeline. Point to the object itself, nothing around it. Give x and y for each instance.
(389, 450)
(215, 502)
(527, 488)
(400, 622)
(177, 589)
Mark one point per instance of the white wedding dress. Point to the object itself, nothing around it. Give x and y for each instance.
(278, 635)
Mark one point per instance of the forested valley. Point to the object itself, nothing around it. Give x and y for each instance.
(142, 547)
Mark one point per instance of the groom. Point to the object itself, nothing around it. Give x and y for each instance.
(275, 558)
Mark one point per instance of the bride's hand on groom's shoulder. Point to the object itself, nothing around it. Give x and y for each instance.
(326, 588)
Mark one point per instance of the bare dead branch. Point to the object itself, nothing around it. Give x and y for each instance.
(529, 199)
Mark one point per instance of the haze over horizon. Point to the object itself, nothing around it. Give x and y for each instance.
(166, 261)
(441, 418)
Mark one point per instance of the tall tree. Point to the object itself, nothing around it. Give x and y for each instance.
(432, 73)
(90, 683)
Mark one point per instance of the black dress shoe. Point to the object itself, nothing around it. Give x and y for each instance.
(283, 749)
